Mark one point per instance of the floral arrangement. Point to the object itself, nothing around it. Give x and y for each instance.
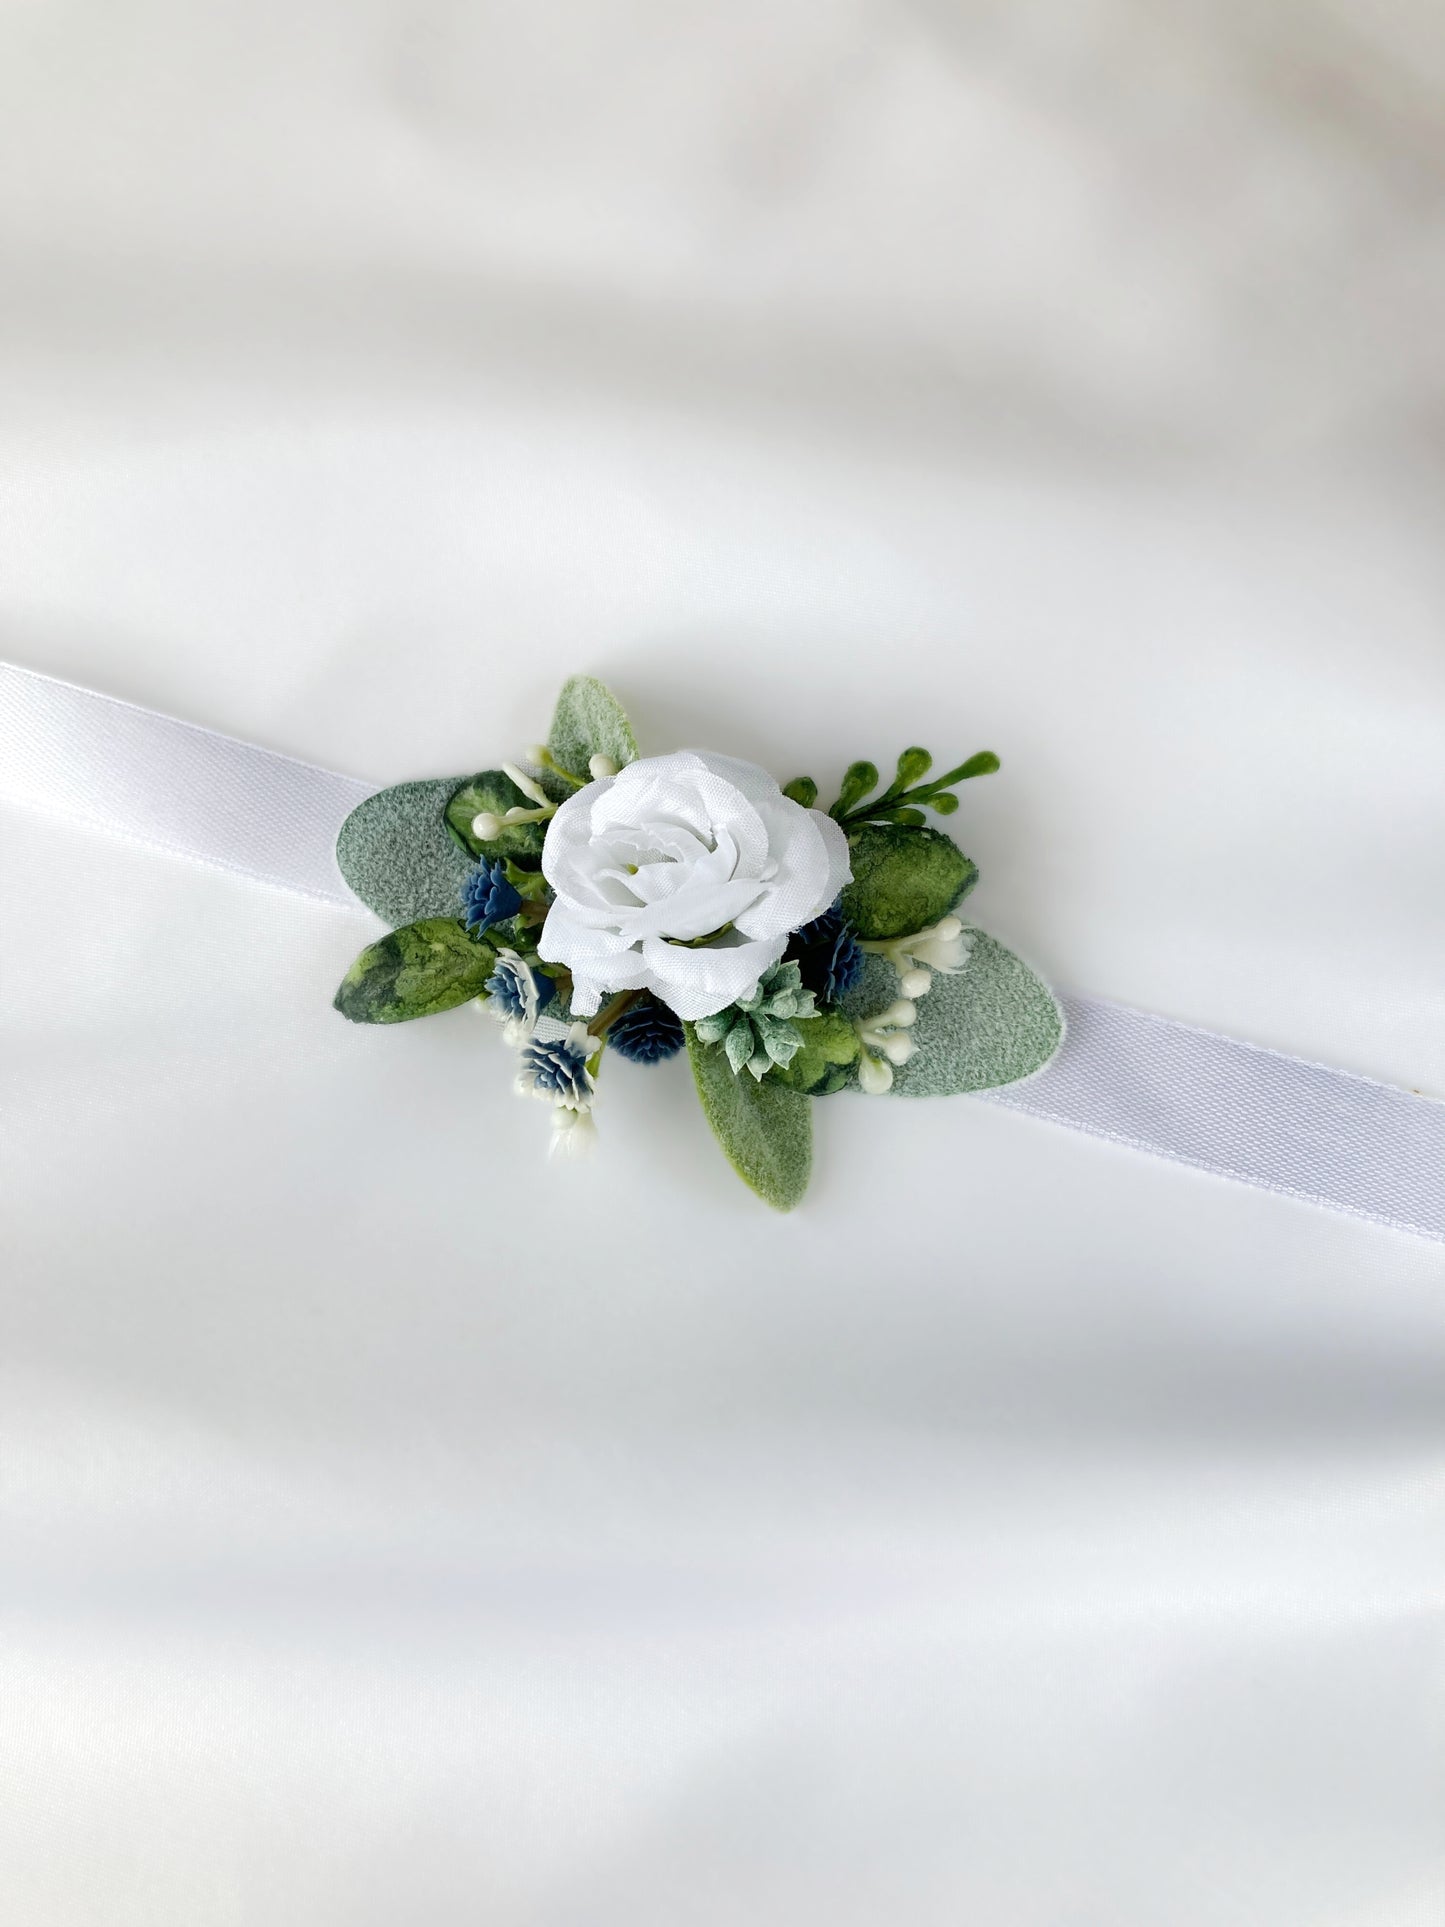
(604, 904)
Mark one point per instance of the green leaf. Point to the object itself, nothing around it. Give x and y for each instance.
(765, 1129)
(415, 972)
(904, 879)
(825, 1062)
(494, 791)
(589, 721)
(802, 790)
(991, 1024)
(859, 780)
(397, 854)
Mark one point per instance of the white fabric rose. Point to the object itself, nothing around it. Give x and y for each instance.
(673, 849)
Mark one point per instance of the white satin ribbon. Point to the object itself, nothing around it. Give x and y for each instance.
(1240, 1111)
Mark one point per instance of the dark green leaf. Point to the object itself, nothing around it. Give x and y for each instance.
(415, 972)
(803, 790)
(589, 721)
(825, 1062)
(904, 879)
(397, 854)
(765, 1129)
(493, 791)
(859, 780)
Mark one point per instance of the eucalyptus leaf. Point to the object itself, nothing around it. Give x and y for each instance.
(992, 1023)
(397, 853)
(826, 1060)
(417, 971)
(589, 721)
(494, 792)
(765, 1129)
(904, 879)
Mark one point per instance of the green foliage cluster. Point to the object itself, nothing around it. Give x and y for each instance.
(902, 802)
(406, 852)
(761, 1032)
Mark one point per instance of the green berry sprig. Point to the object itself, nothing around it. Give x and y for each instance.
(901, 801)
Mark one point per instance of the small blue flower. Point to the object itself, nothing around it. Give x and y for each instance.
(557, 1070)
(646, 1032)
(516, 994)
(487, 897)
(829, 955)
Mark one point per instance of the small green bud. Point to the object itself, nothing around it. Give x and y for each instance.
(859, 780)
(802, 790)
(913, 765)
(945, 803)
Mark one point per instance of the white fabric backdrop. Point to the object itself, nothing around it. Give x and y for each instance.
(1025, 1532)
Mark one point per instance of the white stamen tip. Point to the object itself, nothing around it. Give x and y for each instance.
(916, 983)
(902, 1013)
(525, 784)
(486, 827)
(536, 753)
(948, 927)
(600, 766)
(898, 1050)
(874, 1075)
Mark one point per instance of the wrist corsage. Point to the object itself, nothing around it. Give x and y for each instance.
(604, 904)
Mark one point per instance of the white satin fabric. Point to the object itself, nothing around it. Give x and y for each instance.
(1025, 1532)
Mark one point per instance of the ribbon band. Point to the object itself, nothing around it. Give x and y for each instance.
(1236, 1109)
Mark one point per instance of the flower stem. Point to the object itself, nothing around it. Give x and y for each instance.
(611, 1011)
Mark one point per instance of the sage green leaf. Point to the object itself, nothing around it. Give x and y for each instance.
(826, 1061)
(415, 972)
(589, 721)
(765, 1129)
(991, 1024)
(495, 792)
(397, 853)
(904, 879)
(802, 790)
(738, 1047)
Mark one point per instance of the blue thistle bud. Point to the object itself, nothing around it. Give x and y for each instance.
(487, 897)
(829, 956)
(646, 1032)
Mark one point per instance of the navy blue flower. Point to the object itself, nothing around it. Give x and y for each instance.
(557, 1070)
(646, 1032)
(828, 954)
(487, 897)
(516, 994)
